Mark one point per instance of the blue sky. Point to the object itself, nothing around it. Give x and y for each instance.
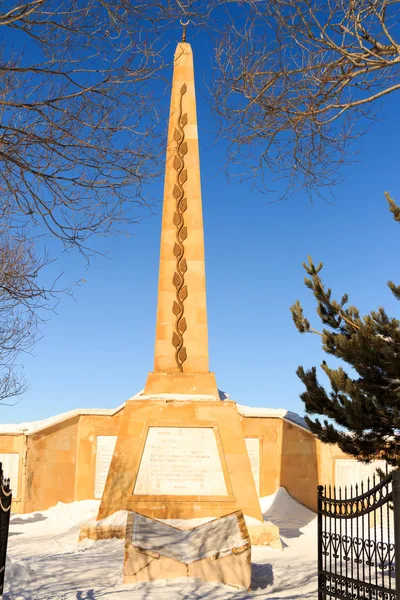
(97, 350)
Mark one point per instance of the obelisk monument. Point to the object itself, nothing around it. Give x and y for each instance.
(181, 348)
(180, 451)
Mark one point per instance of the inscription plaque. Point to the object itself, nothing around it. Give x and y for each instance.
(349, 471)
(180, 461)
(10, 462)
(253, 450)
(105, 445)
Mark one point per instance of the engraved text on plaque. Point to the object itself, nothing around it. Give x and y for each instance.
(253, 450)
(181, 461)
(105, 445)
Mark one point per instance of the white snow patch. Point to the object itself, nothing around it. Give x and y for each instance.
(278, 413)
(34, 426)
(18, 570)
(246, 411)
(117, 519)
(47, 563)
(252, 520)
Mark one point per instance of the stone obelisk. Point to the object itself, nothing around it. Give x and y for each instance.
(180, 451)
(181, 347)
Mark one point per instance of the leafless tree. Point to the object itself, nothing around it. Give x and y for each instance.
(78, 131)
(21, 296)
(79, 137)
(295, 81)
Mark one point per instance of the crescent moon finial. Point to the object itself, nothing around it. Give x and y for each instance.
(184, 25)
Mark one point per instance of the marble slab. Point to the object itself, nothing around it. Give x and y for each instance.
(10, 462)
(180, 461)
(105, 445)
(188, 545)
(253, 450)
(349, 471)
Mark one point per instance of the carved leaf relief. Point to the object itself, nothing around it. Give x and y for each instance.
(182, 355)
(183, 294)
(182, 325)
(183, 234)
(176, 309)
(176, 280)
(176, 192)
(177, 219)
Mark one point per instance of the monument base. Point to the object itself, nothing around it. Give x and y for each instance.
(181, 383)
(180, 460)
(216, 551)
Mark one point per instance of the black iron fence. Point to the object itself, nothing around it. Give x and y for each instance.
(359, 540)
(5, 511)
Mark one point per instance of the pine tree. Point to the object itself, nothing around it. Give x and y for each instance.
(362, 413)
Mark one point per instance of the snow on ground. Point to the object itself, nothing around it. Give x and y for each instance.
(45, 561)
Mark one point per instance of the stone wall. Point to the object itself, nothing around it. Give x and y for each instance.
(51, 466)
(67, 460)
(90, 427)
(269, 431)
(299, 464)
(288, 457)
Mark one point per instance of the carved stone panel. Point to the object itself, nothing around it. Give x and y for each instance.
(105, 445)
(180, 461)
(253, 450)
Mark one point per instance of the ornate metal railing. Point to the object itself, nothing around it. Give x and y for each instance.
(359, 540)
(5, 511)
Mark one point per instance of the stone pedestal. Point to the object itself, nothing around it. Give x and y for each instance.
(180, 460)
(218, 550)
(182, 383)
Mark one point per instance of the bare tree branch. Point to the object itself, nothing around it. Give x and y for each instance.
(295, 81)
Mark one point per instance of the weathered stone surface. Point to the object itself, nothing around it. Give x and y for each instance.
(234, 569)
(265, 535)
(102, 532)
(218, 550)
